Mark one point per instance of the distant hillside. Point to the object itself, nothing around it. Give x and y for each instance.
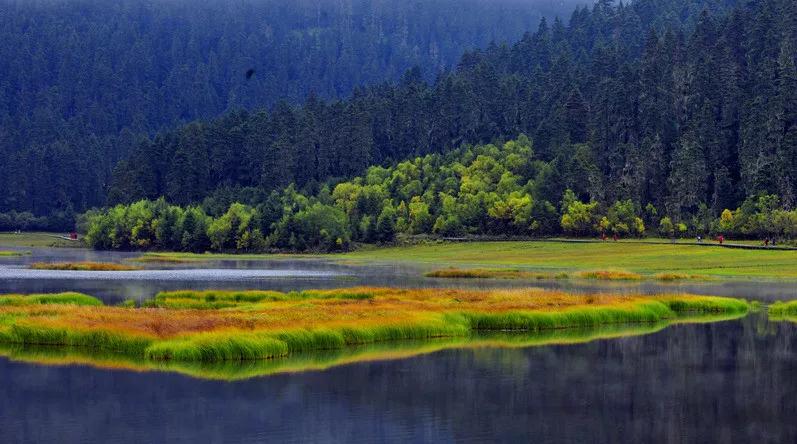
(692, 116)
(80, 78)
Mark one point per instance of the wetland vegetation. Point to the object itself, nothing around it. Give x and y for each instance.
(783, 309)
(251, 325)
(325, 359)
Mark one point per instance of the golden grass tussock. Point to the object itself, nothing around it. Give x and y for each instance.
(193, 326)
(83, 266)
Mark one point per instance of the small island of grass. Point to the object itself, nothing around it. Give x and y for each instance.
(783, 310)
(11, 253)
(83, 266)
(250, 325)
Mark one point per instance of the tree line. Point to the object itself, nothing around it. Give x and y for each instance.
(82, 80)
(481, 190)
(622, 104)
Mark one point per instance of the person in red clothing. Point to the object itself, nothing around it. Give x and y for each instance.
(720, 239)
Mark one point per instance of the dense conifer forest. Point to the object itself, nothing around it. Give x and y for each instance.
(82, 80)
(669, 112)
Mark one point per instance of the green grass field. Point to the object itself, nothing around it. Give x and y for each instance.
(551, 256)
(647, 258)
(36, 239)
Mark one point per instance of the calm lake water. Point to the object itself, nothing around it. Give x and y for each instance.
(723, 382)
(730, 381)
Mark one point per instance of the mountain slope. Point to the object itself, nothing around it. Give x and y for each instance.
(82, 78)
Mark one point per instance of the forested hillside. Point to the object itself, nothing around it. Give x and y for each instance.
(687, 115)
(80, 80)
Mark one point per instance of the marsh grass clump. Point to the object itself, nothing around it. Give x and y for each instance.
(69, 298)
(610, 275)
(213, 299)
(9, 253)
(217, 299)
(783, 309)
(83, 266)
(707, 304)
(219, 325)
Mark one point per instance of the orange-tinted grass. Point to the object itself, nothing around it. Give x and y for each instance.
(322, 360)
(83, 266)
(229, 371)
(332, 319)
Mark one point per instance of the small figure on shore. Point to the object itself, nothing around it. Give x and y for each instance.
(720, 239)
(766, 241)
(603, 237)
(699, 239)
(615, 237)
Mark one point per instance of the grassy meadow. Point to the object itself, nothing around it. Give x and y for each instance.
(211, 326)
(554, 259)
(37, 239)
(668, 261)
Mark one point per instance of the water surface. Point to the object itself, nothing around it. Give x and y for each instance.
(722, 382)
(296, 274)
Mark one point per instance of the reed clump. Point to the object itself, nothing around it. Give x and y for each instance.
(217, 299)
(10, 253)
(83, 266)
(69, 298)
(783, 309)
(218, 325)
